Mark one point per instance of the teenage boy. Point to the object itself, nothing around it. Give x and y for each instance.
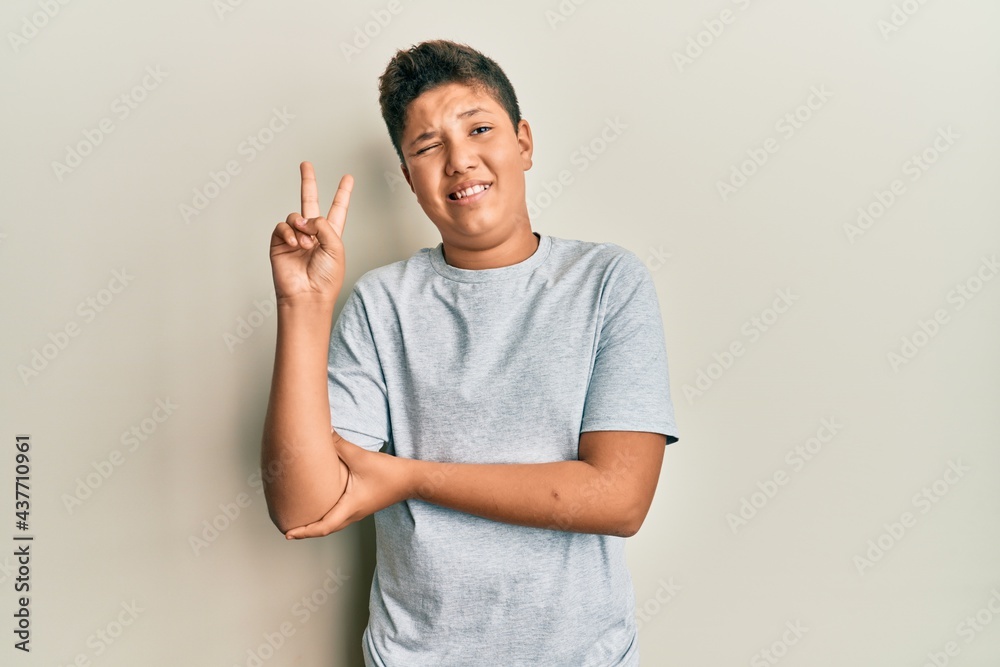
(517, 380)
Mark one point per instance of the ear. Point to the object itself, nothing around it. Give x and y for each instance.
(406, 175)
(525, 143)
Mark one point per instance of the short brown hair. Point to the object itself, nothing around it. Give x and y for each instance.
(433, 63)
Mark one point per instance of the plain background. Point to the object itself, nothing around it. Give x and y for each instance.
(712, 587)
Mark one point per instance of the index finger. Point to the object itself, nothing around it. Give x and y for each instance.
(310, 195)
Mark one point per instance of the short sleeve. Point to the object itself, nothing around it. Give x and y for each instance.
(359, 407)
(630, 386)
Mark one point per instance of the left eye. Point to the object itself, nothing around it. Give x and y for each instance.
(484, 127)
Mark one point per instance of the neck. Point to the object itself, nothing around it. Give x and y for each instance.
(512, 250)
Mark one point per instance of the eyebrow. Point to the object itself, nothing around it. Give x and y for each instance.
(431, 133)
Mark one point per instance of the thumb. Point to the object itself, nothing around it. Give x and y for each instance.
(346, 450)
(327, 238)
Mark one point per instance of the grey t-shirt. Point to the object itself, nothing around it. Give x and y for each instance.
(503, 365)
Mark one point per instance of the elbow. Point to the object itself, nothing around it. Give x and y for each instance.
(285, 518)
(635, 513)
(304, 499)
(286, 515)
(625, 529)
(282, 526)
(619, 518)
(278, 518)
(631, 520)
(620, 528)
(631, 528)
(285, 521)
(283, 514)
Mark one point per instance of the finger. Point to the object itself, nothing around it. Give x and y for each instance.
(310, 194)
(338, 210)
(283, 234)
(305, 532)
(330, 523)
(307, 226)
(305, 229)
(337, 518)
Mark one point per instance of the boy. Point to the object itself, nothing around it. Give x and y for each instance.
(518, 380)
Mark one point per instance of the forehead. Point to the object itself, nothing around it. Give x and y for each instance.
(446, 102)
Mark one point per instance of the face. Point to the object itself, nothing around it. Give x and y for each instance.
(465, 163)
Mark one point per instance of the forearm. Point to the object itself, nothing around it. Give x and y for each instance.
(564, 495)
(303, 476)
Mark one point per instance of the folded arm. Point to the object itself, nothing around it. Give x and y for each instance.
(607, 491)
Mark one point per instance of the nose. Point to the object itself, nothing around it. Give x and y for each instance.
(461, 157)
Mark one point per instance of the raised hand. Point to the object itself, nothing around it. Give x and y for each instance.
(307, 255)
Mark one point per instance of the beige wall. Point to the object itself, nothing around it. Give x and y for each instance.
(841, 102)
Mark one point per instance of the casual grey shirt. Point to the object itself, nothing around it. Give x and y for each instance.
(503, 365)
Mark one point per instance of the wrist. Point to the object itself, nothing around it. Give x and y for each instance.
(425, 478)
(308, 302)
(411, 478)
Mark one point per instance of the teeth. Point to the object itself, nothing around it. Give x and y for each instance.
(468, 192)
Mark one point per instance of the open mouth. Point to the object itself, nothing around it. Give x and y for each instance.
(468, 192)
